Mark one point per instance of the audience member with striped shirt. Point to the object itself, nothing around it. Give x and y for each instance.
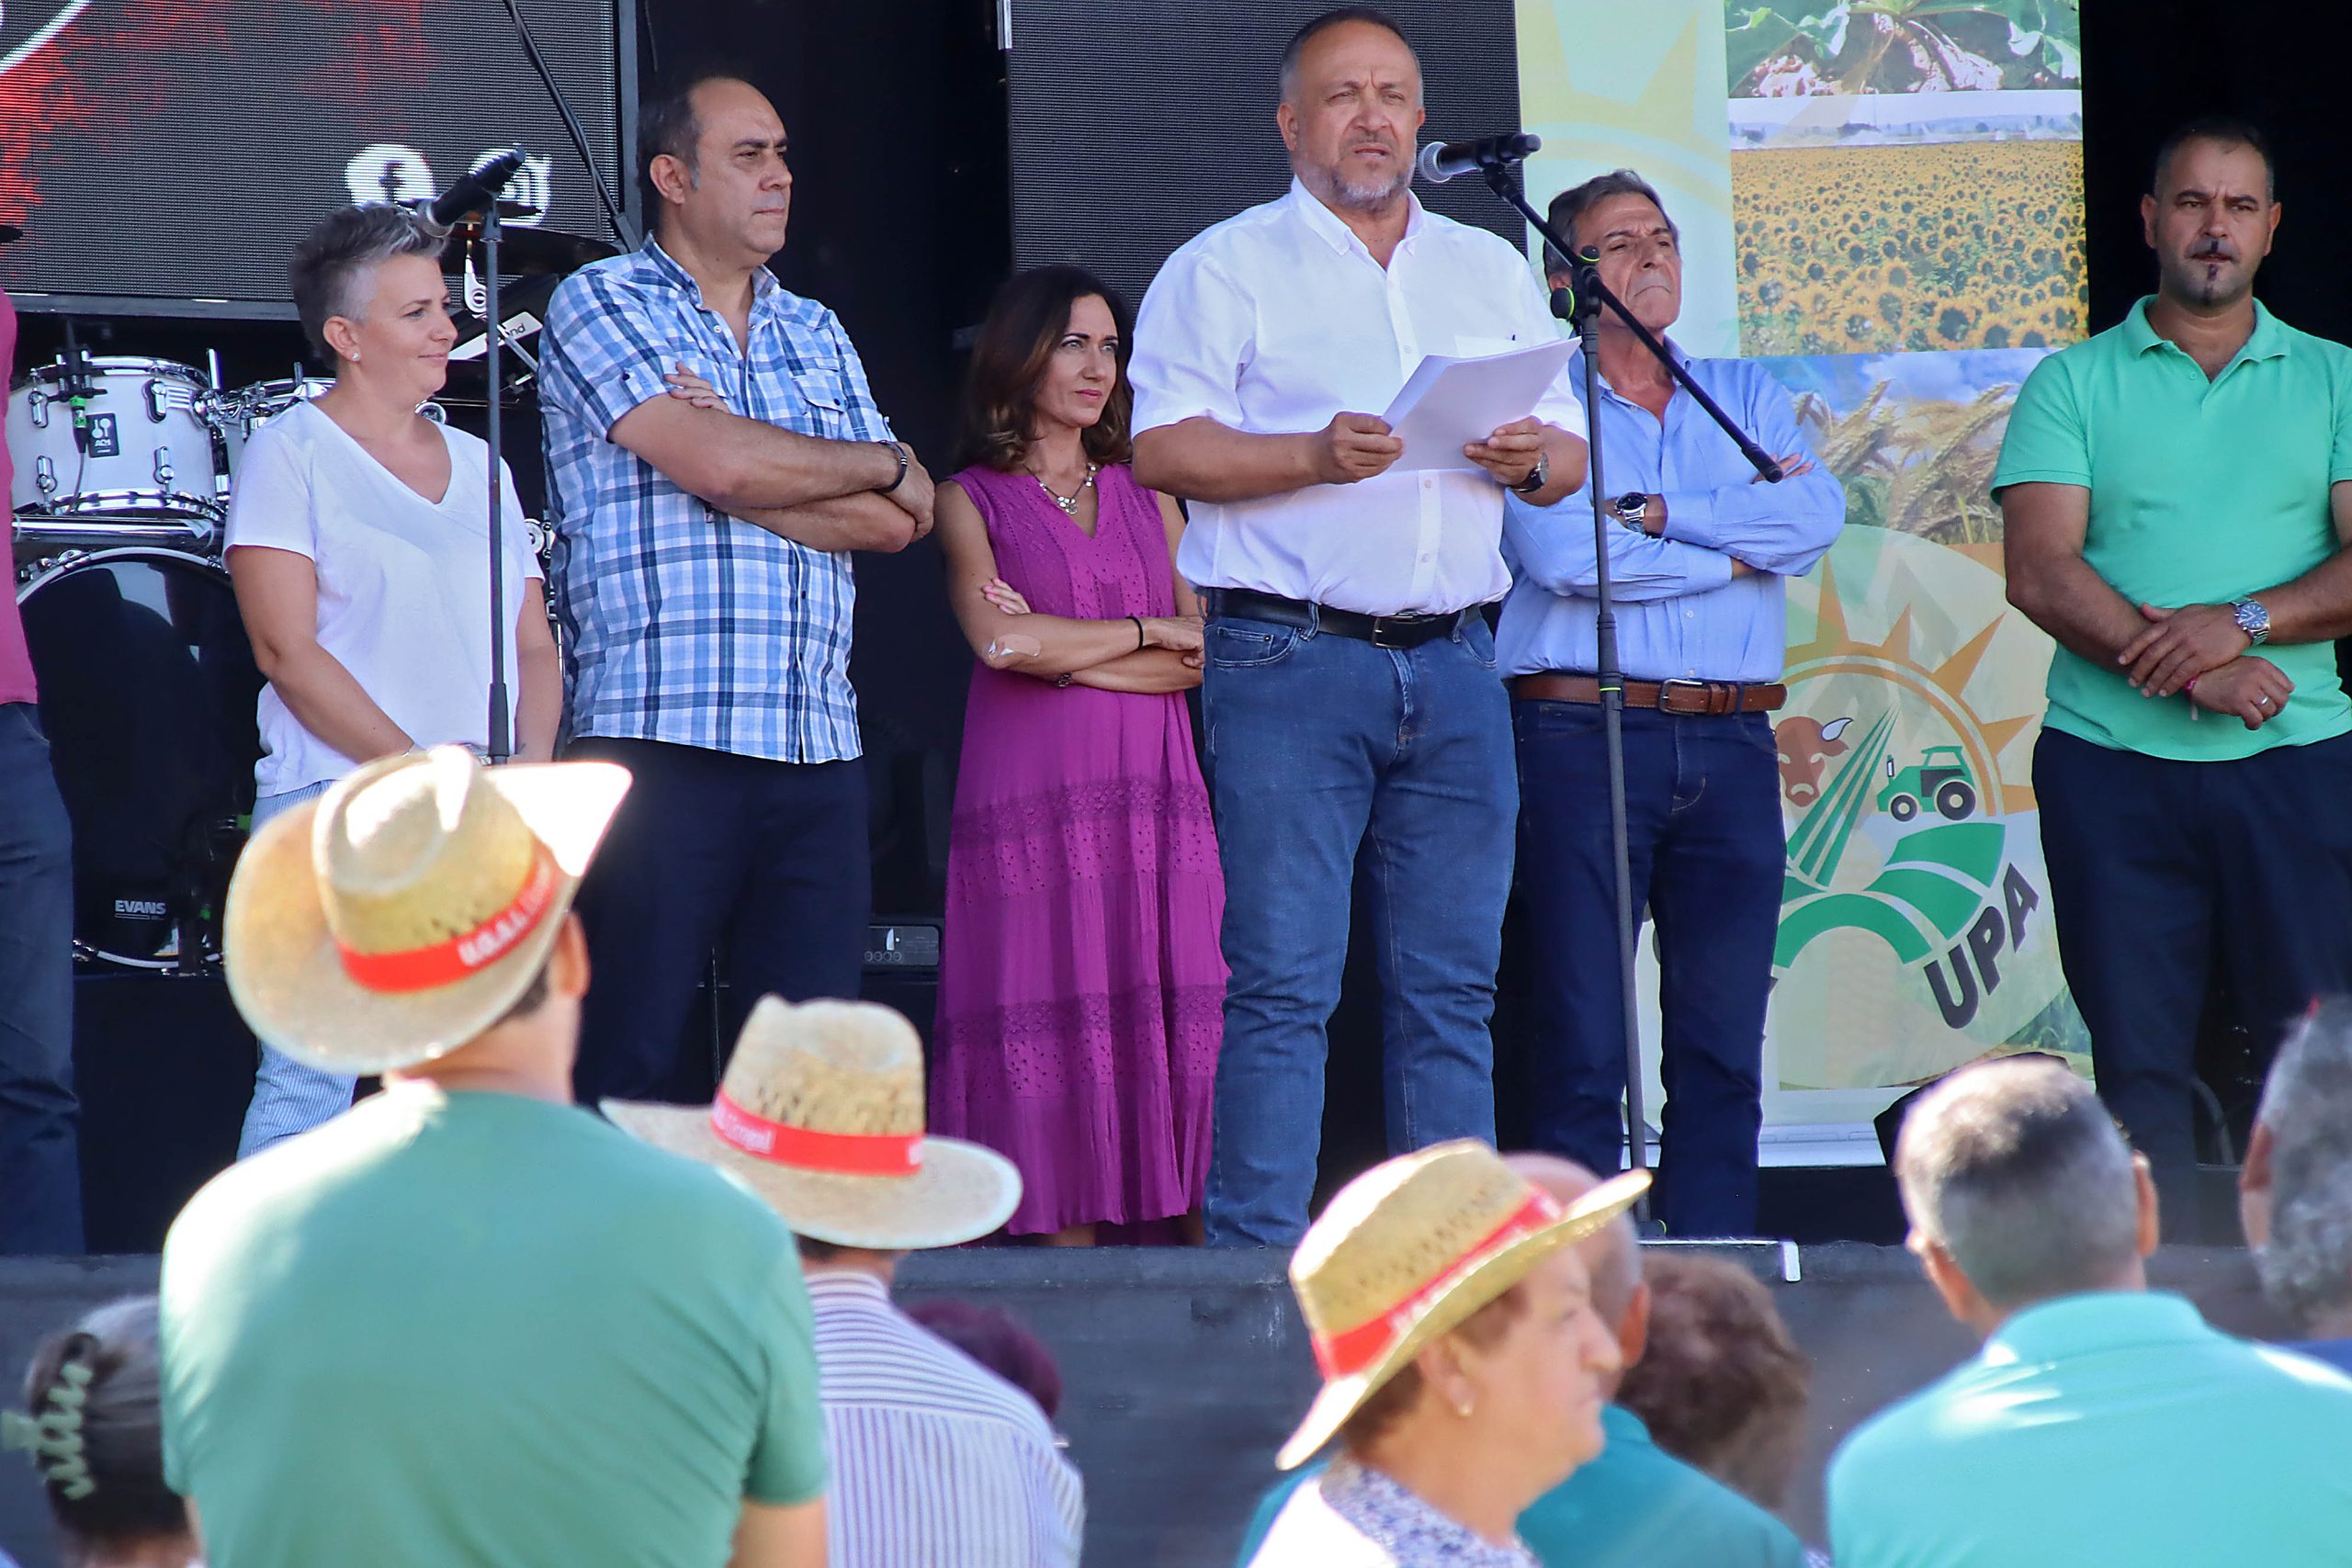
(938, 1462)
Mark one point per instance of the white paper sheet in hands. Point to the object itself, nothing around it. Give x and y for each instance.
(1446, 404)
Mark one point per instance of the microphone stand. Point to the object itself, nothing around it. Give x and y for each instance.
(1582, 310)
(500, 714)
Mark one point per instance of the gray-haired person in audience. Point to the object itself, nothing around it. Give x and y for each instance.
(2295, 1191)
(2103, 1421)
(93, 1426)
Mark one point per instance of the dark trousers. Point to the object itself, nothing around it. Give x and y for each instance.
(1702, 807)
(2159, 868)
(767, 861)
(40, 1177)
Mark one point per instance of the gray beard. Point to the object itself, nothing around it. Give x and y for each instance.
(1368, 197)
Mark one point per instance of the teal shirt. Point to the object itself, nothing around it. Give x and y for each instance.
(2201, 492)
(2105, 1431)
(1635, 1506)
(480, 1331)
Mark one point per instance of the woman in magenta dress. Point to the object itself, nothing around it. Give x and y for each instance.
(1081, 990)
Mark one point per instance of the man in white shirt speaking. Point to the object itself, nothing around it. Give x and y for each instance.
(1350, 688)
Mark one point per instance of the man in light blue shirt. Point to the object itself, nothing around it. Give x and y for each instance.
(1697, 559)
(2102, 1422)
(1636, 1506)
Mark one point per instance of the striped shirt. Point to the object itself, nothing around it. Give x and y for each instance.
(937, 1461)
(683, 624)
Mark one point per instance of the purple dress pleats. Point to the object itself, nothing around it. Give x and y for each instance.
(1081, 989)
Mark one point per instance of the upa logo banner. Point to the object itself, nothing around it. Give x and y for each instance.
(1914, 931)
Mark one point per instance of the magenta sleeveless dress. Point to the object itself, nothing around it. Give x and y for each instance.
(1082, 991)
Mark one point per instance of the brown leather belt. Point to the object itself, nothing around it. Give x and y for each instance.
(1692, 697)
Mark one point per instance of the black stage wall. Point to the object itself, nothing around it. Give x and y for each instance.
(1184, 1370)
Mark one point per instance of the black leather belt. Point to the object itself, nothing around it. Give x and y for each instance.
(1381, 631)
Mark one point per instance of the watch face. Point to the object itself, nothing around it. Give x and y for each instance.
(1632, 504)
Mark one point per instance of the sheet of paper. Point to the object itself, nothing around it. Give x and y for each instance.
(1446, 402)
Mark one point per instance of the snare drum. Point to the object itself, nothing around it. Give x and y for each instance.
(145, 450)
(148, 692)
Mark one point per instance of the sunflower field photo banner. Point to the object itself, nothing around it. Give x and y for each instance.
(1881, 201)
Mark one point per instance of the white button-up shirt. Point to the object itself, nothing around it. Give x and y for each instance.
(1278, 318)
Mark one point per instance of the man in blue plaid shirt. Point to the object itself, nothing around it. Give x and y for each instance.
(702, 572)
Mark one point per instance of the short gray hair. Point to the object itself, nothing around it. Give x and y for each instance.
(2306, 1266)
(335, 265)
(1577, 200)
(2016, 1169)
(1316, 26)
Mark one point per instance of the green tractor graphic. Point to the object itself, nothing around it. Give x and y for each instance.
(1941, 778)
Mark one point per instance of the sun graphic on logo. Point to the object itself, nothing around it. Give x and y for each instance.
(1933, 694)
(1914, 924)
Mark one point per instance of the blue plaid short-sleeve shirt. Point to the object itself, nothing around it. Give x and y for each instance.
(683, 624)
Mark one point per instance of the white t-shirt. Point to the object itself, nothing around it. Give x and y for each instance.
(1272, 322)
(403, 582)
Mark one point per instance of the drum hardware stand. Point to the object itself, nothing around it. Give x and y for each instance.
(1581, 307)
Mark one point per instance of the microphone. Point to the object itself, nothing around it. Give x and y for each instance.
(476, 188)
(1441, 161)
(77, 388)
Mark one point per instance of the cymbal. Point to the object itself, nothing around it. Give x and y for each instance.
(525, 252)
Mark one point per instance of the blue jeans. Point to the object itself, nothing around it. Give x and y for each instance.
(1708, 857)
(290, 1096)
(40, 1174)
(1322, 747)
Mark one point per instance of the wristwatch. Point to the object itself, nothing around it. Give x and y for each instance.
(1539, 479)
(1631, 508)
(2252, 619)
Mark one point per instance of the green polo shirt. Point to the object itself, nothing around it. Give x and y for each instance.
(2109, 1428)
(474, 1330)
(2202, 491)
(1635, 1506)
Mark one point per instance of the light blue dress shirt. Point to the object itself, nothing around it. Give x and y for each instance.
(1680, 613)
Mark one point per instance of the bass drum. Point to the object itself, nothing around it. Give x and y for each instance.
(148, 688)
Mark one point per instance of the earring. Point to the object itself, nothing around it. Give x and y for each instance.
(1462, 1407)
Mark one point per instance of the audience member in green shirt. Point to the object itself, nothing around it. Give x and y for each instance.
(465, 1323)
(1635, 1505)
(2103, 1422)
(2176, 495)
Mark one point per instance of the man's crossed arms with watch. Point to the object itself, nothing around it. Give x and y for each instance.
(2210, 642)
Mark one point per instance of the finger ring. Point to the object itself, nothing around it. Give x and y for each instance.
(2263, 699)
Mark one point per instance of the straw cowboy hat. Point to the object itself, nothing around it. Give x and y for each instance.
(1408, 1250)
(403, 912)
(822, 1114)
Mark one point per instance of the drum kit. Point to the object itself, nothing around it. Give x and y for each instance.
(123, 472)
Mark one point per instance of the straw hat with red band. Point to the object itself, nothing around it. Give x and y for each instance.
(403, 912)
(1407, 1251)
(822, 1114)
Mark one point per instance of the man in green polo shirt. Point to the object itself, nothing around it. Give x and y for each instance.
(2103, 1422)
(466, 1324)
(2176, 493)
(1636, 1506)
